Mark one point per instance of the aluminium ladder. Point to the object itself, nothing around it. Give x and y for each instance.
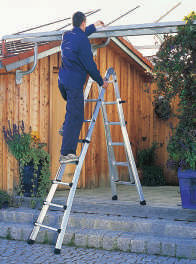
(112, 163)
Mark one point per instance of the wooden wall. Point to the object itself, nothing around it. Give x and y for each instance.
(38, 103)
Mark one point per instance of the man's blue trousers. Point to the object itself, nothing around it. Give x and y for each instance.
(74, 118)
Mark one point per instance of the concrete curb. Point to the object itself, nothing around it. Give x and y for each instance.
(164, 227)
(108, 240)
(130, 234)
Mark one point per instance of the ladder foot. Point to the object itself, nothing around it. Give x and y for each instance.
(143, 202)
(30, 241)
(57, 251)
(115, 197)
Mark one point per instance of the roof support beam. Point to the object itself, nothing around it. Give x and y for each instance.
(138, 29)
(106, 32)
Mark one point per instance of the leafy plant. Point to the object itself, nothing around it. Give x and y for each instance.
(5, 199)
(174, 63)
(175, 74)
(151, 174)
(182, 148)
(27, 148)
(146, 157)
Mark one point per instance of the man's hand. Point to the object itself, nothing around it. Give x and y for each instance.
(105, 84)
(99, 23)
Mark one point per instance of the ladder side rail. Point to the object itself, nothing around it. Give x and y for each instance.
(110, 151)
(118, 99)
(126, 141)
(132, 180)
(87, 89)
(77, 173)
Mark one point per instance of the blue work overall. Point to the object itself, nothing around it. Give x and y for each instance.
(77, 62)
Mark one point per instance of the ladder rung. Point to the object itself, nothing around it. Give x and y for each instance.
(120, 163)
(62, 183)
(114, 123)
(114, 102)
(124, 183)
(117, 144)
(56, 205)
(89, 120)
(48, 227)
(92, 100)
(110, 103)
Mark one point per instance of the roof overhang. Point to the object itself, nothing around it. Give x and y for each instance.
(133, 54)
(144, 63)
(114, 32)
(14, 62)
(30, 59)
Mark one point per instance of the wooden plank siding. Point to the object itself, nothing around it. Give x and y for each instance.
(37, 101)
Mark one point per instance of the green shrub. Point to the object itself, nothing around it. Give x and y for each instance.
(146, 157)
(5, 199)
(151, 174)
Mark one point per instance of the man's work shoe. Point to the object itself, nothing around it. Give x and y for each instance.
(61, 131)
(70, 158)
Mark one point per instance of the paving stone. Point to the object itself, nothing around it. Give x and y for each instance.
(81, 238)
(184, 252)
(138, 245)
(110, 240)
(124, 242)
(153, 247)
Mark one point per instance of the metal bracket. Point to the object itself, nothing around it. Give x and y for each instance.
(94, 47)
(20, 73)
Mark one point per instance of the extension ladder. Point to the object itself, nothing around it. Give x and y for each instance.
(134, 179)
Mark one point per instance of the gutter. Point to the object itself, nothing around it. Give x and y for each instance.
(20, 73)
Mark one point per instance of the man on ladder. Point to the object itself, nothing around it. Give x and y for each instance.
(77, 62)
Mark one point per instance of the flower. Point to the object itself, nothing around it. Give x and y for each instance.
(28, 149)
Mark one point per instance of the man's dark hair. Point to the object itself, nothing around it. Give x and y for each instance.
(78, 18)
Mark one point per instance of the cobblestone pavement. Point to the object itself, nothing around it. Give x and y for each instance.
(19, 252)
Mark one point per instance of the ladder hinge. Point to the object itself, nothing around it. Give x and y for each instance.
(59, 230)
(122, 102)
(84, 141)
(71, 184)
(53, 182)
(65, 207)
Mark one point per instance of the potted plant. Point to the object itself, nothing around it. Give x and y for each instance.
(33, 160)
(182, 156)
(175, 75)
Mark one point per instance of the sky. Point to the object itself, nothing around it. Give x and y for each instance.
(17, 15)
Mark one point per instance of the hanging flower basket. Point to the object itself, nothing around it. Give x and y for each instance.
(162, 108)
